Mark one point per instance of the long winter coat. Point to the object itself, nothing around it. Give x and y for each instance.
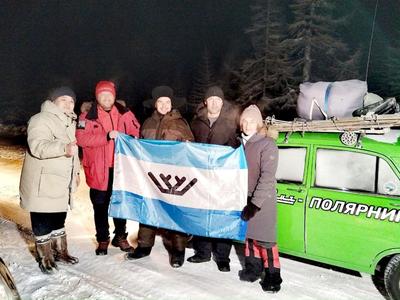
(49, 177)
(170, 127)
(222, 131)
(262, 160)
(98, 151)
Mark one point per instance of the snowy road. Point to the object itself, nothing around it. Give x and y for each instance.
(111, 277)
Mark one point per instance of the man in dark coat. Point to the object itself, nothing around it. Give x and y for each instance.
(261, 251)
(216, 122)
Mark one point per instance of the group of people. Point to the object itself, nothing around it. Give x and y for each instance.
(50, 175)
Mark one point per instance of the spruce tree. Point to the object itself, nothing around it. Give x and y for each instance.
(266, 73)
(393, 70)
(315, 49)
(203, 79)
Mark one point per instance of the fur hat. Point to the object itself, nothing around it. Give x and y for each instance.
(214, 91)
(162, 91)
(62, 91)
(105, 86)
(252, 112)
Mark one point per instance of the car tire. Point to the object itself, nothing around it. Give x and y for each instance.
(7, 282)
(379, 283)
(392, 278)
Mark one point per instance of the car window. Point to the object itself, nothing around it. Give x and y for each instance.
(345, 170)
(388, 182)
(291, 164)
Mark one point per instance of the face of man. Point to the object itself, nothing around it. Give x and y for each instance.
(249, 126)
(163, 105)
(65, 103)
(214, 106)
(106, 100)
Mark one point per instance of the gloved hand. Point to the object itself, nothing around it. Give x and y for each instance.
(112, 135)
(249, 211)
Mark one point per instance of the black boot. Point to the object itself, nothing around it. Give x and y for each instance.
(198, 259)
(121, 242)
(45, 256)
(102, 247)
(139, 252)
(176, 258)
(60, 248)
(223, 266)
(272, 281)
(253, 269)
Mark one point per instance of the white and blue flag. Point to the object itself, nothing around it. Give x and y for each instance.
(195, 188)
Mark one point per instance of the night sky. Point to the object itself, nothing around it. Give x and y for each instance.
(138, 44)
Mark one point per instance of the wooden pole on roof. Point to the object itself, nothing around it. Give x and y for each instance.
(368, 124)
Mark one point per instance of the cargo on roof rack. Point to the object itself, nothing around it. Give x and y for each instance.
(371, 124)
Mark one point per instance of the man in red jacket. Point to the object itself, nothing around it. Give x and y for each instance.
(95, 133)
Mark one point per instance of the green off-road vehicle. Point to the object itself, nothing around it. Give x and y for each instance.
(339, 201)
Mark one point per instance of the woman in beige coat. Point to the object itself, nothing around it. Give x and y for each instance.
(50, 174)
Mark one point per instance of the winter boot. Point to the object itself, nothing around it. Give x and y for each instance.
(60, 247)
(176, 258)
(272, 281)
(45, 256)
(198, 259)
(102, 247)
(121, 242)
(253, 269)
(139, 252)
(223, 266)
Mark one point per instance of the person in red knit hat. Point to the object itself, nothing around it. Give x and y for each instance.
(96, 131)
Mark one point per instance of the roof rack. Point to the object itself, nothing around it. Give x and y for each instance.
(368, 124)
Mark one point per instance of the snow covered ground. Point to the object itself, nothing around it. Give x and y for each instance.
(111, 277)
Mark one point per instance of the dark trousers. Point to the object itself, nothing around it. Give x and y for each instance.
(45, 223)
(221, 248)
(173, 240)
(101, 202)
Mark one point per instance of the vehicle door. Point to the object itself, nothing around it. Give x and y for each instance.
(291, 178)
(352, 211)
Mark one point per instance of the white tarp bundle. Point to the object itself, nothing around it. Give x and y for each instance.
(321, 100)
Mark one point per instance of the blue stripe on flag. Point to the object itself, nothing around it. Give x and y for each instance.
(220, 223)
(203, 156)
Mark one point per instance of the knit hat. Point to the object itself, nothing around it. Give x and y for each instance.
(214, 91)
(62, 91)
(105, 86)
(162, 91)
(252, 112)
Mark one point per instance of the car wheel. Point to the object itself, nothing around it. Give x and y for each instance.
(7, 285)
(392, 277)
(379, 283)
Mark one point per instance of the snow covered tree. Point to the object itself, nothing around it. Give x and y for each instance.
(315, 49)
(266, 73)
(203, 80)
